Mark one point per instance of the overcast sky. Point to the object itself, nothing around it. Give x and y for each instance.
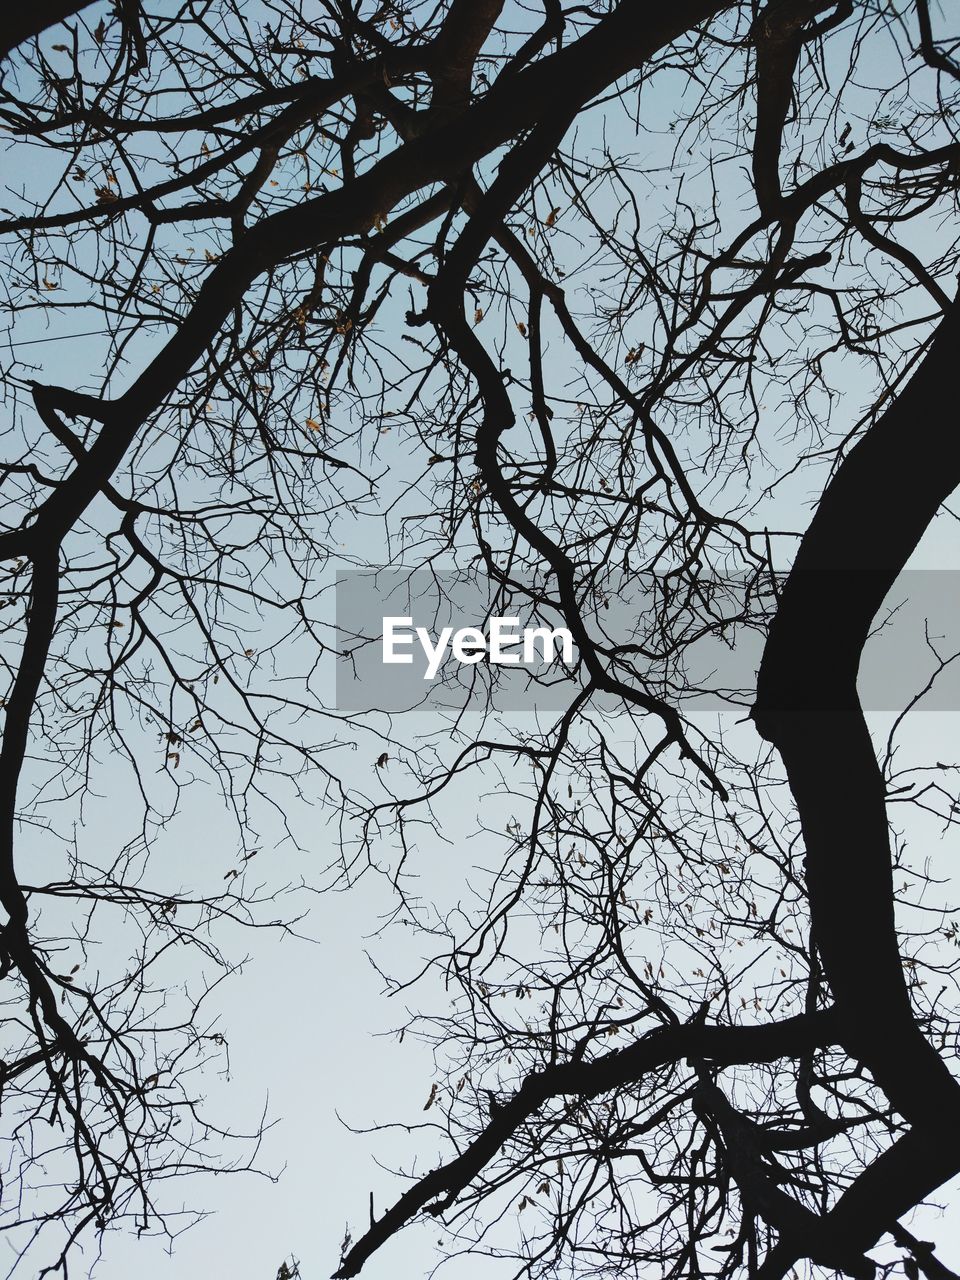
(307, 1020)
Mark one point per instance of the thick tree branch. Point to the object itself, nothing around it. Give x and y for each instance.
(871, 517)
(21, 22)
(779, 35)
(723, 1046)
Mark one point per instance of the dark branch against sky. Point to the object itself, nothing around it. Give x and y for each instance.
(556, 297)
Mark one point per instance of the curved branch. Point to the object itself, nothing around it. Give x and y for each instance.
(724, 1046)
(870, 519)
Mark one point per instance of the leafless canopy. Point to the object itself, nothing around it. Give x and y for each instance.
(566, 297)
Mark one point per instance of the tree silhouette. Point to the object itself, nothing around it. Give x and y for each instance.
(589, 304)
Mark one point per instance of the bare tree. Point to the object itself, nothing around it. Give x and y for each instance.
(579, 301)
